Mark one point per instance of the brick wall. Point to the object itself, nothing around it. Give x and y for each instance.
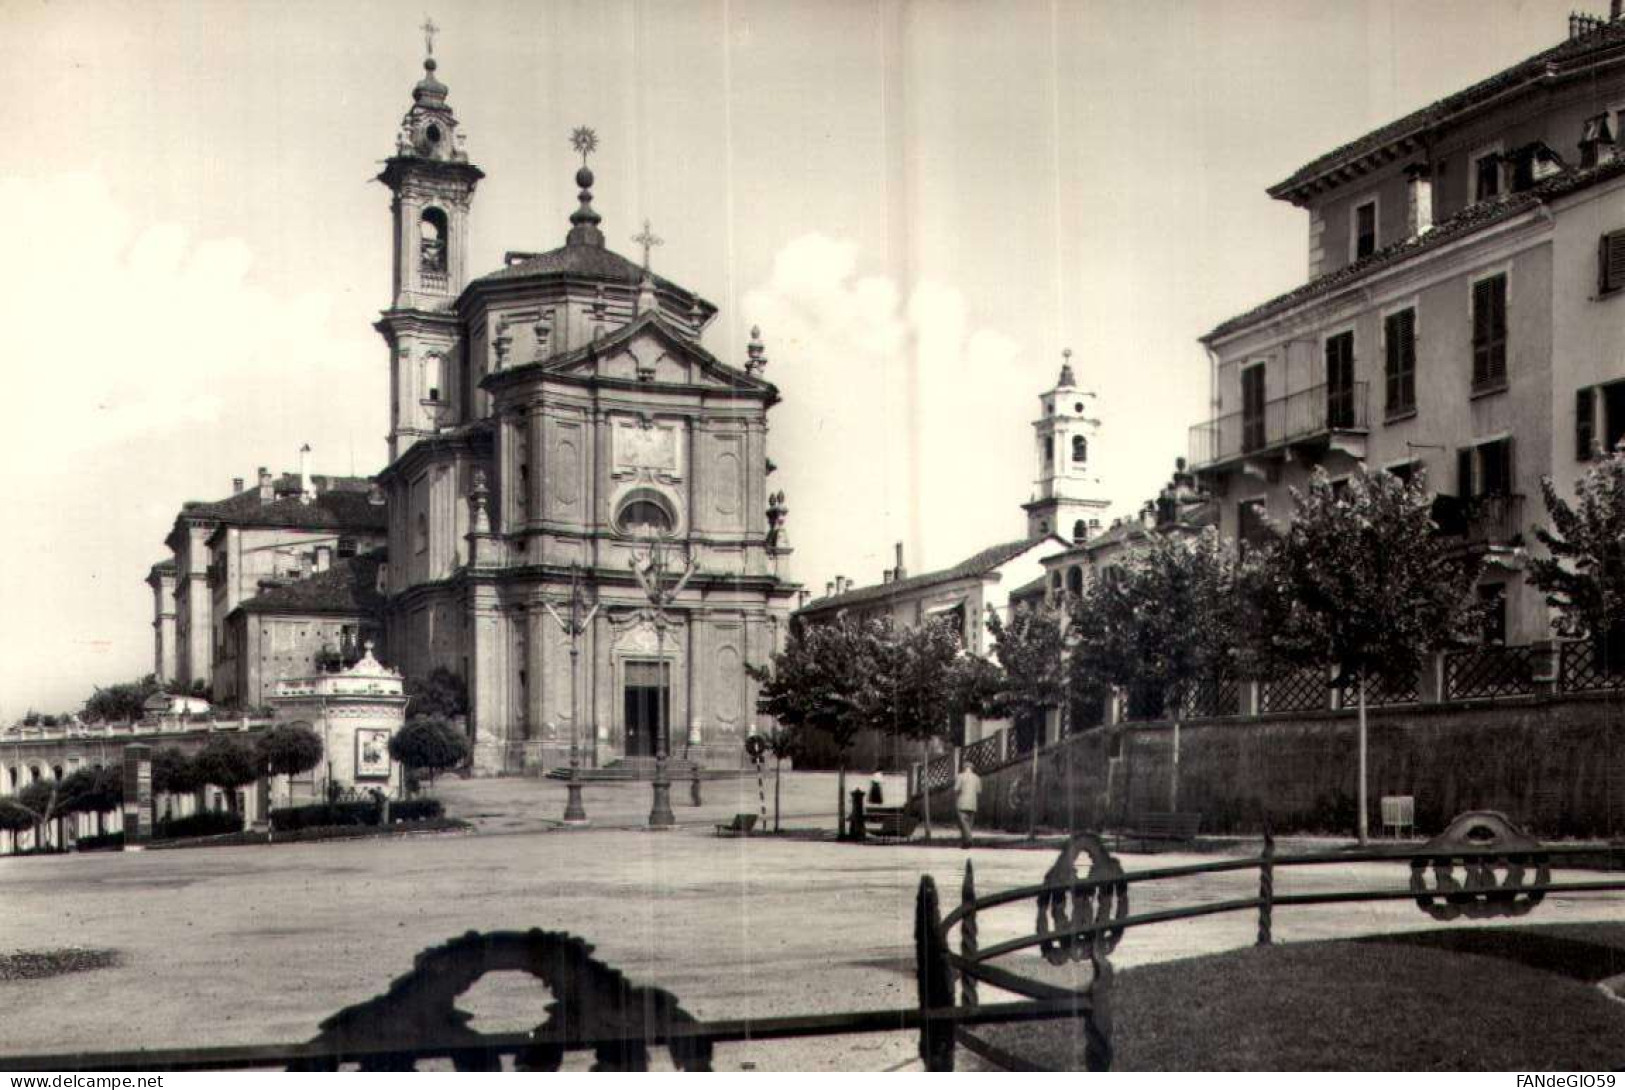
(1554, 765)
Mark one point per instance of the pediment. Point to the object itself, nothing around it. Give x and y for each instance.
(648, 350)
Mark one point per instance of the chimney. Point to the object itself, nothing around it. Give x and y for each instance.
(887, 576)
(307, 490)
(829, 589)
(375, 494)
(236, 485)
(1418, 200)
(267, 490)
(899, 572)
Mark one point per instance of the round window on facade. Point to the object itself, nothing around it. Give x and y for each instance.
(645, 514)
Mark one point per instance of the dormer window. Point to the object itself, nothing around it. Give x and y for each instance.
(1487, 176)
(1364, 230)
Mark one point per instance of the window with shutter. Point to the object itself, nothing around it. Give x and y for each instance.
(1487, 176)
(1585, 421)
(1252, 408)
(1399, 337)
(1495, 468)
(1340, 381)
(1490, 333)
(1464, 472)
(1365, 230)
(1611, 262)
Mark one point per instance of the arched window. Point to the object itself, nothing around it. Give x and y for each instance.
(432, 238)
(1074, 580)
(1049, 450)
(1055, 582)
(1080, 531)
(645, 513)
(1080, 449)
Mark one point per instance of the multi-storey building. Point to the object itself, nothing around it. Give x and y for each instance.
(1463, 315)
(225, 553)
(557, 423)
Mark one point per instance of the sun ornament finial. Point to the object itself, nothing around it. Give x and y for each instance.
(585, 141)
(429, 31)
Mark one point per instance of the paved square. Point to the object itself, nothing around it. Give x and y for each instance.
(254, 945)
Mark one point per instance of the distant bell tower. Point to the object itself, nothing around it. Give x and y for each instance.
(432, 183)
(1066, 435)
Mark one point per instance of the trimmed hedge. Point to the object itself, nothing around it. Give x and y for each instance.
(338, 814)
(106, 842)
(208, 823)
(324, 813)
(416, 810)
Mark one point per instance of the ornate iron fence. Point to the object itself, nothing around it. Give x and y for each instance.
(1584, 668)
(1303, 690)
(1210, 698)
(940, 772)
(1484, 673)
(984, 755)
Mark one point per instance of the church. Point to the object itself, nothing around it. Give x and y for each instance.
(576, 515)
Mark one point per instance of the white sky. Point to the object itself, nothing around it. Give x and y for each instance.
(921, 204)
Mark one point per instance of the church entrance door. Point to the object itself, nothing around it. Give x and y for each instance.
(648, 706)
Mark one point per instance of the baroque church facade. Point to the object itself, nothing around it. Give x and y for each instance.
(579, 522)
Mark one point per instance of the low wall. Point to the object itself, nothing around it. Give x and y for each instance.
(1555, 765)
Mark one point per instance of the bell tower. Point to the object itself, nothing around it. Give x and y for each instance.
(432, 185)
(1065, 436)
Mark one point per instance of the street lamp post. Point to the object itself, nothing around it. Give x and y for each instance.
(661, 584)
(575, 627)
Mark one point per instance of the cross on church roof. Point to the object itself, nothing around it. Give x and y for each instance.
(429, 31)
(647, 239)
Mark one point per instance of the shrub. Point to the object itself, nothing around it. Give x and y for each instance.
(416, 810)
(209, 823)
(290, 818)
(107, 842)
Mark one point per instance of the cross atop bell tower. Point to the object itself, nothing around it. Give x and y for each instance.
(1065, 433)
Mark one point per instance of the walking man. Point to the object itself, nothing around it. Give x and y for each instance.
(967, 789)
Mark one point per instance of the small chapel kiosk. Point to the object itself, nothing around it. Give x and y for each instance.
(562, 444)
(355, 712)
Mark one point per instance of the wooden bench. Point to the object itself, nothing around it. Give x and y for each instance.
(1161, 827)
(742, 825)
(888, 822)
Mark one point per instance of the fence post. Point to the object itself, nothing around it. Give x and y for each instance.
(1266, 886)
(934, 978)
(1547, 667)
(967, 936)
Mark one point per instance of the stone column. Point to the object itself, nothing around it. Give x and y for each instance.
(137, 796)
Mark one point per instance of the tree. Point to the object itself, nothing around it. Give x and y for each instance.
(288, 749)
(442, 694)
(1362, 581)
(228, 764)
(43, 800)
(1584, 575)
(122, 703)
(93, 791)
(782, 743)
(429, 743)
(825, 681)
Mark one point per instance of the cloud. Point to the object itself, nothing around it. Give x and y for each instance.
(901, 420)
(147, 367)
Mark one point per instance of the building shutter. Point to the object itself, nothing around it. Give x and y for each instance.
(1611, 262)
(1464, 472)
(1400, 364)
(1489, 331)
(1585, 416)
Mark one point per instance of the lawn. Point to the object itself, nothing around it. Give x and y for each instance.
(1489, 999)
